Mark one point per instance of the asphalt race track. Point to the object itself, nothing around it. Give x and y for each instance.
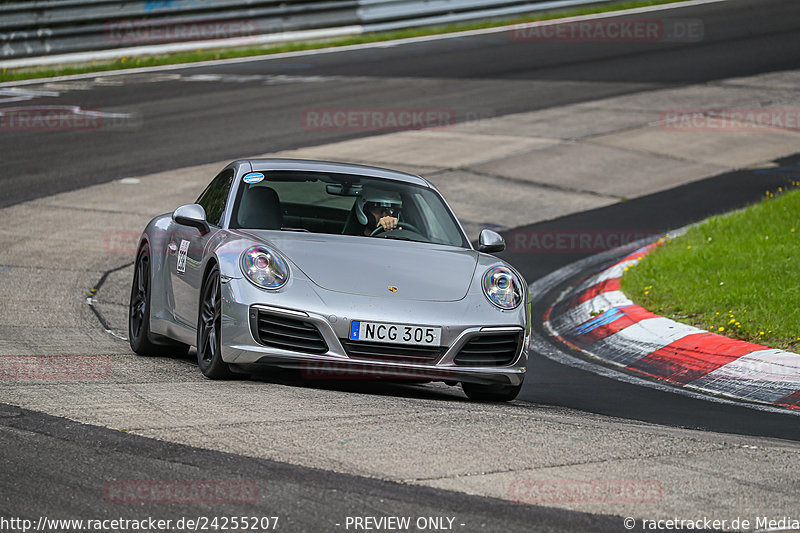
(192, 122)
(191, 117)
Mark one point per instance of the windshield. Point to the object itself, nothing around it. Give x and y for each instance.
(344, 204)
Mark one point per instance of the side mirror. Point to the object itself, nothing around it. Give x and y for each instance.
(491, 242)
(192, 215)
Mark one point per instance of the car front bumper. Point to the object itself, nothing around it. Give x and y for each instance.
(331, 313)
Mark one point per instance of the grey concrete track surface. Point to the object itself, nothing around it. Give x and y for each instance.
(415, 435)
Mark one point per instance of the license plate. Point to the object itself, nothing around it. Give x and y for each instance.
(395, 333)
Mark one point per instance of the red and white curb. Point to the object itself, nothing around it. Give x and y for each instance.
(596, 317)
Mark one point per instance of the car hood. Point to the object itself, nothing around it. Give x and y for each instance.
(372, 266)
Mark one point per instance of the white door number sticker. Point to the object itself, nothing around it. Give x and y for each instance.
(182, 256)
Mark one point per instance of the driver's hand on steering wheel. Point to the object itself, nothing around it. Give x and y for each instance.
(388, 223)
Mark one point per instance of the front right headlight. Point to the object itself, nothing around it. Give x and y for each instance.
(502, 287)
(264, 267)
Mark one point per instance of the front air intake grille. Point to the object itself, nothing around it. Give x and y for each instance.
(489, 350)
(404, 353)
(278, 331)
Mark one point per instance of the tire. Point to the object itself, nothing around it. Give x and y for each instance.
(209, 329)
(491, 393)
(139, 335)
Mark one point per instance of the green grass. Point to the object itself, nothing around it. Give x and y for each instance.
(736, 274)
(226, 53)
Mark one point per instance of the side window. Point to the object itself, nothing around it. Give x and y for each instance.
(214, 197)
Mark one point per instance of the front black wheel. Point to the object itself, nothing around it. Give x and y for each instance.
(491, 393)
(209, 329)
(139, 335)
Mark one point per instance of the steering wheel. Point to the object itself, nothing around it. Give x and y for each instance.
(405, 225)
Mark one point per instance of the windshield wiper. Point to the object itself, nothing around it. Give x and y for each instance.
(295, 229)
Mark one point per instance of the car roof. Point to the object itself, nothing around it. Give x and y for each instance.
(309, 165)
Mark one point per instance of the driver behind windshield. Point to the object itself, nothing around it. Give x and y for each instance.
(377, 209)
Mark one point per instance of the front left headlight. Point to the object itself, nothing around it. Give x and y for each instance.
(502, 287)
(264, 267)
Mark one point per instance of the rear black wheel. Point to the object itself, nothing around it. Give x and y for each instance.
(139, 335)
(209, 329)
(491, 393)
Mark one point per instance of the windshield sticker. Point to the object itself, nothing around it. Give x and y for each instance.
(253, 177)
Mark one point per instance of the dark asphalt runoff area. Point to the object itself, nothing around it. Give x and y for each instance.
(58, 468)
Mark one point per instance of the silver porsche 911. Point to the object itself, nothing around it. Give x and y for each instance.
(336, 270)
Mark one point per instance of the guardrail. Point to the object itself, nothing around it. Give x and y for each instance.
(41, 28)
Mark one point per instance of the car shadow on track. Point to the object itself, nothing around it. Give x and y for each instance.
(410, 389)
(375, 387)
